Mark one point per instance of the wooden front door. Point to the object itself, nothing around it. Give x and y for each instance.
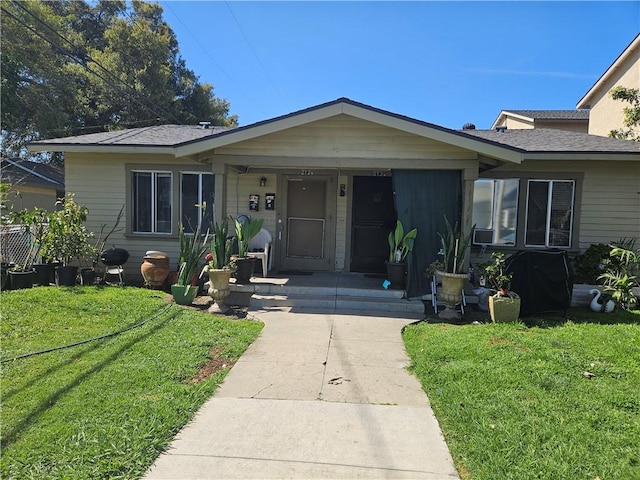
(308, 223)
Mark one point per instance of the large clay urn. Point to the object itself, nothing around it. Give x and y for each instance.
(451, 294)
(219, 289)
(155, 268)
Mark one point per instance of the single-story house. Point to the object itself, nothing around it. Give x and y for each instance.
(33, 184)
(329, 182)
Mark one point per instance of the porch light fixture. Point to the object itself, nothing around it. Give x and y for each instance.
(263, 181)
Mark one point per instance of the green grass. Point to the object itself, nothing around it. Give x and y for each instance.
(514, 403)
(104, 409)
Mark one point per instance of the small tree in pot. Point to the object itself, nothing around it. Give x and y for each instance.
(504, 305)
(67, 239)
(400, 244)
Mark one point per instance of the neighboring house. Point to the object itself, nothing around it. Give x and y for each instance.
(605, 113)
(32, 184)
(571, 120)
(337, 175)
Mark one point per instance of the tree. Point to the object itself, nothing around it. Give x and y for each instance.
(631, 114)
(71, 67)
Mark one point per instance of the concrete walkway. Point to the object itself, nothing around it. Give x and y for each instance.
(317, 395)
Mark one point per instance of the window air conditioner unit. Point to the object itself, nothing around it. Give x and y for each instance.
(482, 236)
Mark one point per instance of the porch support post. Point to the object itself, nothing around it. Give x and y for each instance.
(469, 176)
(220, 194)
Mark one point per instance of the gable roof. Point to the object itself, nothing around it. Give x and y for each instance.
(552, 142)
(33, 174)
(581, 116)
(632, 48)
(184, 141)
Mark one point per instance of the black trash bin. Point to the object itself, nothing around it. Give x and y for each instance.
(542, 278)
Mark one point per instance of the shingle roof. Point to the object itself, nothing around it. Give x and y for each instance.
(156, 136)
(24, 172)
(550, 140)
(552, 114)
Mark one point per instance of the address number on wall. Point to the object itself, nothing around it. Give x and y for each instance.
(307, 172)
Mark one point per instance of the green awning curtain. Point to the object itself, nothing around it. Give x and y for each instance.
(422, 198)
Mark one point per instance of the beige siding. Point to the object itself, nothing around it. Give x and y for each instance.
(240, 186)
(99, 182)
(23, 197)
(344, 137)
(610, 203)
(342, 229)
(581, 127)
(516, 123)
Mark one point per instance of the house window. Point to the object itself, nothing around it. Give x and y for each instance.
(195, 190)
(152, 202)
(549, 214)
(495, 211)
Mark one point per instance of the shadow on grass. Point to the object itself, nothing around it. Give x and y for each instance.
(12, 434)
(582, 315)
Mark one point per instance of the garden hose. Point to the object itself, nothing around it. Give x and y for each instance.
(82, 342)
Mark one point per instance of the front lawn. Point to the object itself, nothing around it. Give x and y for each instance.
(107, 408)
(558, 400)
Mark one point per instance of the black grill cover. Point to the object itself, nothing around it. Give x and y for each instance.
(542, 278)
(114, 256)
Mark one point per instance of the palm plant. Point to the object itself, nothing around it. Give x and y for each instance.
(621, 273)
(245, 232)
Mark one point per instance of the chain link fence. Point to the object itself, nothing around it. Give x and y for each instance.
(16, 243)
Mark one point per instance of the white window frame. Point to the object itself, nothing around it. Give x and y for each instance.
(495, 212)
(154, 200)
(550, 182)
(200, 190)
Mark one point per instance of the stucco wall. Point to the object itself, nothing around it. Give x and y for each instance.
(606, 114)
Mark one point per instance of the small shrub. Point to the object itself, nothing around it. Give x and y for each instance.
(589, 265)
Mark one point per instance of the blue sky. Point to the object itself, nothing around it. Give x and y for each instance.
(442, 62)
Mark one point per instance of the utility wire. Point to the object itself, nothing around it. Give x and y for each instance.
(79, 56)
(82, 342)
(256, 55)
(206, 52)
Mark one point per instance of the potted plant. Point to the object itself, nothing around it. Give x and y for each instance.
(400, 244)
(34, 223)
(453, 272)
(192, 249)
(219, 267)
(504, 305)
(620, 276)
(67, 239)
(245, 231)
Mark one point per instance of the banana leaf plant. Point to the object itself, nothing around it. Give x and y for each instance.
(400, 244)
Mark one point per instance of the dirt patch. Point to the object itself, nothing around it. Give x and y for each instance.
(500, 341)
(215, 363)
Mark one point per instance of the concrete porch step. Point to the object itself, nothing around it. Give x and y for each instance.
(338, 302)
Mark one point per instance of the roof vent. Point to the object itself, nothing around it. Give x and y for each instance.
(204, 125)
(468, 126)
(501, 128)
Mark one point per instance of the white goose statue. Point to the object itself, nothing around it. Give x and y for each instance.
(600, 306)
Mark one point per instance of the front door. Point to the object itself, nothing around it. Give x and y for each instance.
(373, 217)
(308, 223)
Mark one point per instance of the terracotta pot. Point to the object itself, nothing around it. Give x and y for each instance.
(155, 268)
